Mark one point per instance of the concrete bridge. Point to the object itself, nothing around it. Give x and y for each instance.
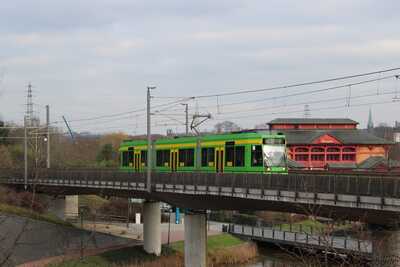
(372, 199)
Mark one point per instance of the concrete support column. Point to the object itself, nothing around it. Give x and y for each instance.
(71, 207)
(152, 227)
(195, 240)
(386, 248)
(56, 206)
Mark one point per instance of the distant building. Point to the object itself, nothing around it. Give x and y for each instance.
(396, 137)
(370, 124)
(323, 143)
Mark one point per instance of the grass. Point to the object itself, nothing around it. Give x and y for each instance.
(309, 226)
(213, 242)
(47, 217)
(222, 249)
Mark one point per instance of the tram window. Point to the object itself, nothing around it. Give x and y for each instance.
(229, 155)
(163, 158)
(186, 157)
(130, 155)
(256, 156)
(125, 161)
(234, 156)
(143, 157)
(239, 156)
(207, 157)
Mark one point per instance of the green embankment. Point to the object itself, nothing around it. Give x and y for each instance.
(219, 249)
(18, 211)
(310, 226)
(213, 243)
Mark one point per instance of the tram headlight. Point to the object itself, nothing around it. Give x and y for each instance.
(268, 169)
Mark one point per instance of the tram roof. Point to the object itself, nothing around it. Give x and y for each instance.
(207, 137)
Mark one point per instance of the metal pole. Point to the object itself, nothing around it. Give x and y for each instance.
(187, 118)
(25, 154)
(169, 225)
(149, 145)
(81, 248)
(129, 213)
(48, 135)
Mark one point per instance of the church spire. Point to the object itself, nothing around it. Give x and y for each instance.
(370, 124)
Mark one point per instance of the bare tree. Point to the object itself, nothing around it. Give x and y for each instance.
(226, 127)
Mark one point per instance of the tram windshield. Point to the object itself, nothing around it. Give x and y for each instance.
(274, 155)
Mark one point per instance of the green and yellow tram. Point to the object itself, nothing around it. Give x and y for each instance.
(247, 152)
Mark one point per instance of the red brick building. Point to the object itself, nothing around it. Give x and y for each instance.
(324, 143)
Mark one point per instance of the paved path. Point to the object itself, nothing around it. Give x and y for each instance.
(135, 231)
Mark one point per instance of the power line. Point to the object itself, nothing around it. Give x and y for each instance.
(306, 102)
(302, 110)
(304, 92)
(118, 114)
(290, 85)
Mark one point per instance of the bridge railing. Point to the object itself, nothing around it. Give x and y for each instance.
(325, 242)
(379, 186)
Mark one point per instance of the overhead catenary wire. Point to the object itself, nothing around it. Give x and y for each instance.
(305, 102)
(302, 110)
(120, 113)
(274, 98)
(169, 106)
(286, 86)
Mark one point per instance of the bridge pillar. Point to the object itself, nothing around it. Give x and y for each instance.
(71, 209)
(55, 205)
(152, 227)
(386, 248)
(195, 240)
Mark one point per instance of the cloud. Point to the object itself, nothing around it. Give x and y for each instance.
(98, 56)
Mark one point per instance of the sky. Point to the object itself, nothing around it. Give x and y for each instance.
(91, 58)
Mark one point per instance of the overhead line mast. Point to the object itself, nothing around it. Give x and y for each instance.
(149, 144)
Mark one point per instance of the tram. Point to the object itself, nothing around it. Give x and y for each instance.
(242, 152)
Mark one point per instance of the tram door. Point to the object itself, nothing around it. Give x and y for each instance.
(137, 164)
(174, 160)
(219, 159)
(131, 157)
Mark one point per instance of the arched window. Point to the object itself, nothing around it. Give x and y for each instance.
(301, 157)
(333, 149)
(349, 154)
(333, 154)
(302, 149)
(349, 149)
(318, 149)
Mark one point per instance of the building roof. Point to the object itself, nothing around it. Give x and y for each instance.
(294, 164)
(312, 121)
(373, 162)
(346, 137)
(342, 165)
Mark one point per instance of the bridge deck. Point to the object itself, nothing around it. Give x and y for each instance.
(357, 196)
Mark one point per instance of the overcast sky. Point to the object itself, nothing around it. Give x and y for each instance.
(88, 58)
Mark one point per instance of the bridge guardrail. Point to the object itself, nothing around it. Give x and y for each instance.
(332, 184)
(302, 239)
